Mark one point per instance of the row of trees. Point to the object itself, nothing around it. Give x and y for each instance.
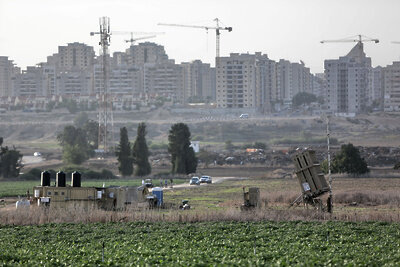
(138, 154)
(183, 158)
(79, 142)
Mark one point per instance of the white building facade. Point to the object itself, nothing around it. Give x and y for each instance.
(347, 81)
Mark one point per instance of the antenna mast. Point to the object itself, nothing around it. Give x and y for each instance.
(330, 202)
(105, 110)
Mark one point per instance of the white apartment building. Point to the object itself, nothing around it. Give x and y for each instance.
(73, 83)
(49, 78)
(235, 81)
(255, 81)
(7, 71)
(29, 82)
(164, 79)
(147, 52)
(265, 82)
(125, 80)
(292, 78)
(197, 81)
(74, 56)
(391, 85)
(375, 87)
(347, 81)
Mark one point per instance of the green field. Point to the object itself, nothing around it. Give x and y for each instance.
(202, 244)
(19, 188)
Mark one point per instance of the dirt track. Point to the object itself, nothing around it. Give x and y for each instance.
(215, 180)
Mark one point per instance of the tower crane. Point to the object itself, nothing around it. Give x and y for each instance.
(217, 29)
(133, 40)
(361, 39)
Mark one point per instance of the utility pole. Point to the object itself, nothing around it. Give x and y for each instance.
(105, 110)
(330, 200)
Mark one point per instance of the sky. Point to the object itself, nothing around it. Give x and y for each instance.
(31, 30)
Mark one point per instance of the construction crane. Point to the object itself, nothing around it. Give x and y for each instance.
(133, 40)
(395, 42)
(217, 29)
(360, 39)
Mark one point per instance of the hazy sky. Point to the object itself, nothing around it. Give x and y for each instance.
(30, 30)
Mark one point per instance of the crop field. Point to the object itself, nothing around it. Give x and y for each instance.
(194, 244)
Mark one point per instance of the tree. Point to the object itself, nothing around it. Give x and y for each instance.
(92, 133)
(183, 158)
(10, 161)
(303, 98)
(73, 154)
(123, 153)
(140, 152)
(206, 157)
(348, 160)
(76, 148)
(229, 145)
(260, 145)
(81, 119)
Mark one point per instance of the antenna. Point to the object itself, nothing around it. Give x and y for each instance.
(330, 200)
(105, 111)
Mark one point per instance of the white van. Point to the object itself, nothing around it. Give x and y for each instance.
(244, 116)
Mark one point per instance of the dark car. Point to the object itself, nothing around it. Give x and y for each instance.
(194, 181)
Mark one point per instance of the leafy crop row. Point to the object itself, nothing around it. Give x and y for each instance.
(215, 243)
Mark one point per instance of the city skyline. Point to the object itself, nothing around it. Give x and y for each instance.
(294, 28)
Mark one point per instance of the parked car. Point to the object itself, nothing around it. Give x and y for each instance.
(206, 179)
(194, 181)
(37, 154)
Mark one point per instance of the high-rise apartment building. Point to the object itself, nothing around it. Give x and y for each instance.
(29, 83)
(74, 56)
(375, 87)
(292, 78)
(164, 79)
(235, 81)
(255, 81)
(7, 71)
(146, 53)
(197, 81)
(391, 85)
(347, 81)
(74, 83)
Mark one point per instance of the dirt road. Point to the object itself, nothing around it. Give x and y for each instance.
(215, 180)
